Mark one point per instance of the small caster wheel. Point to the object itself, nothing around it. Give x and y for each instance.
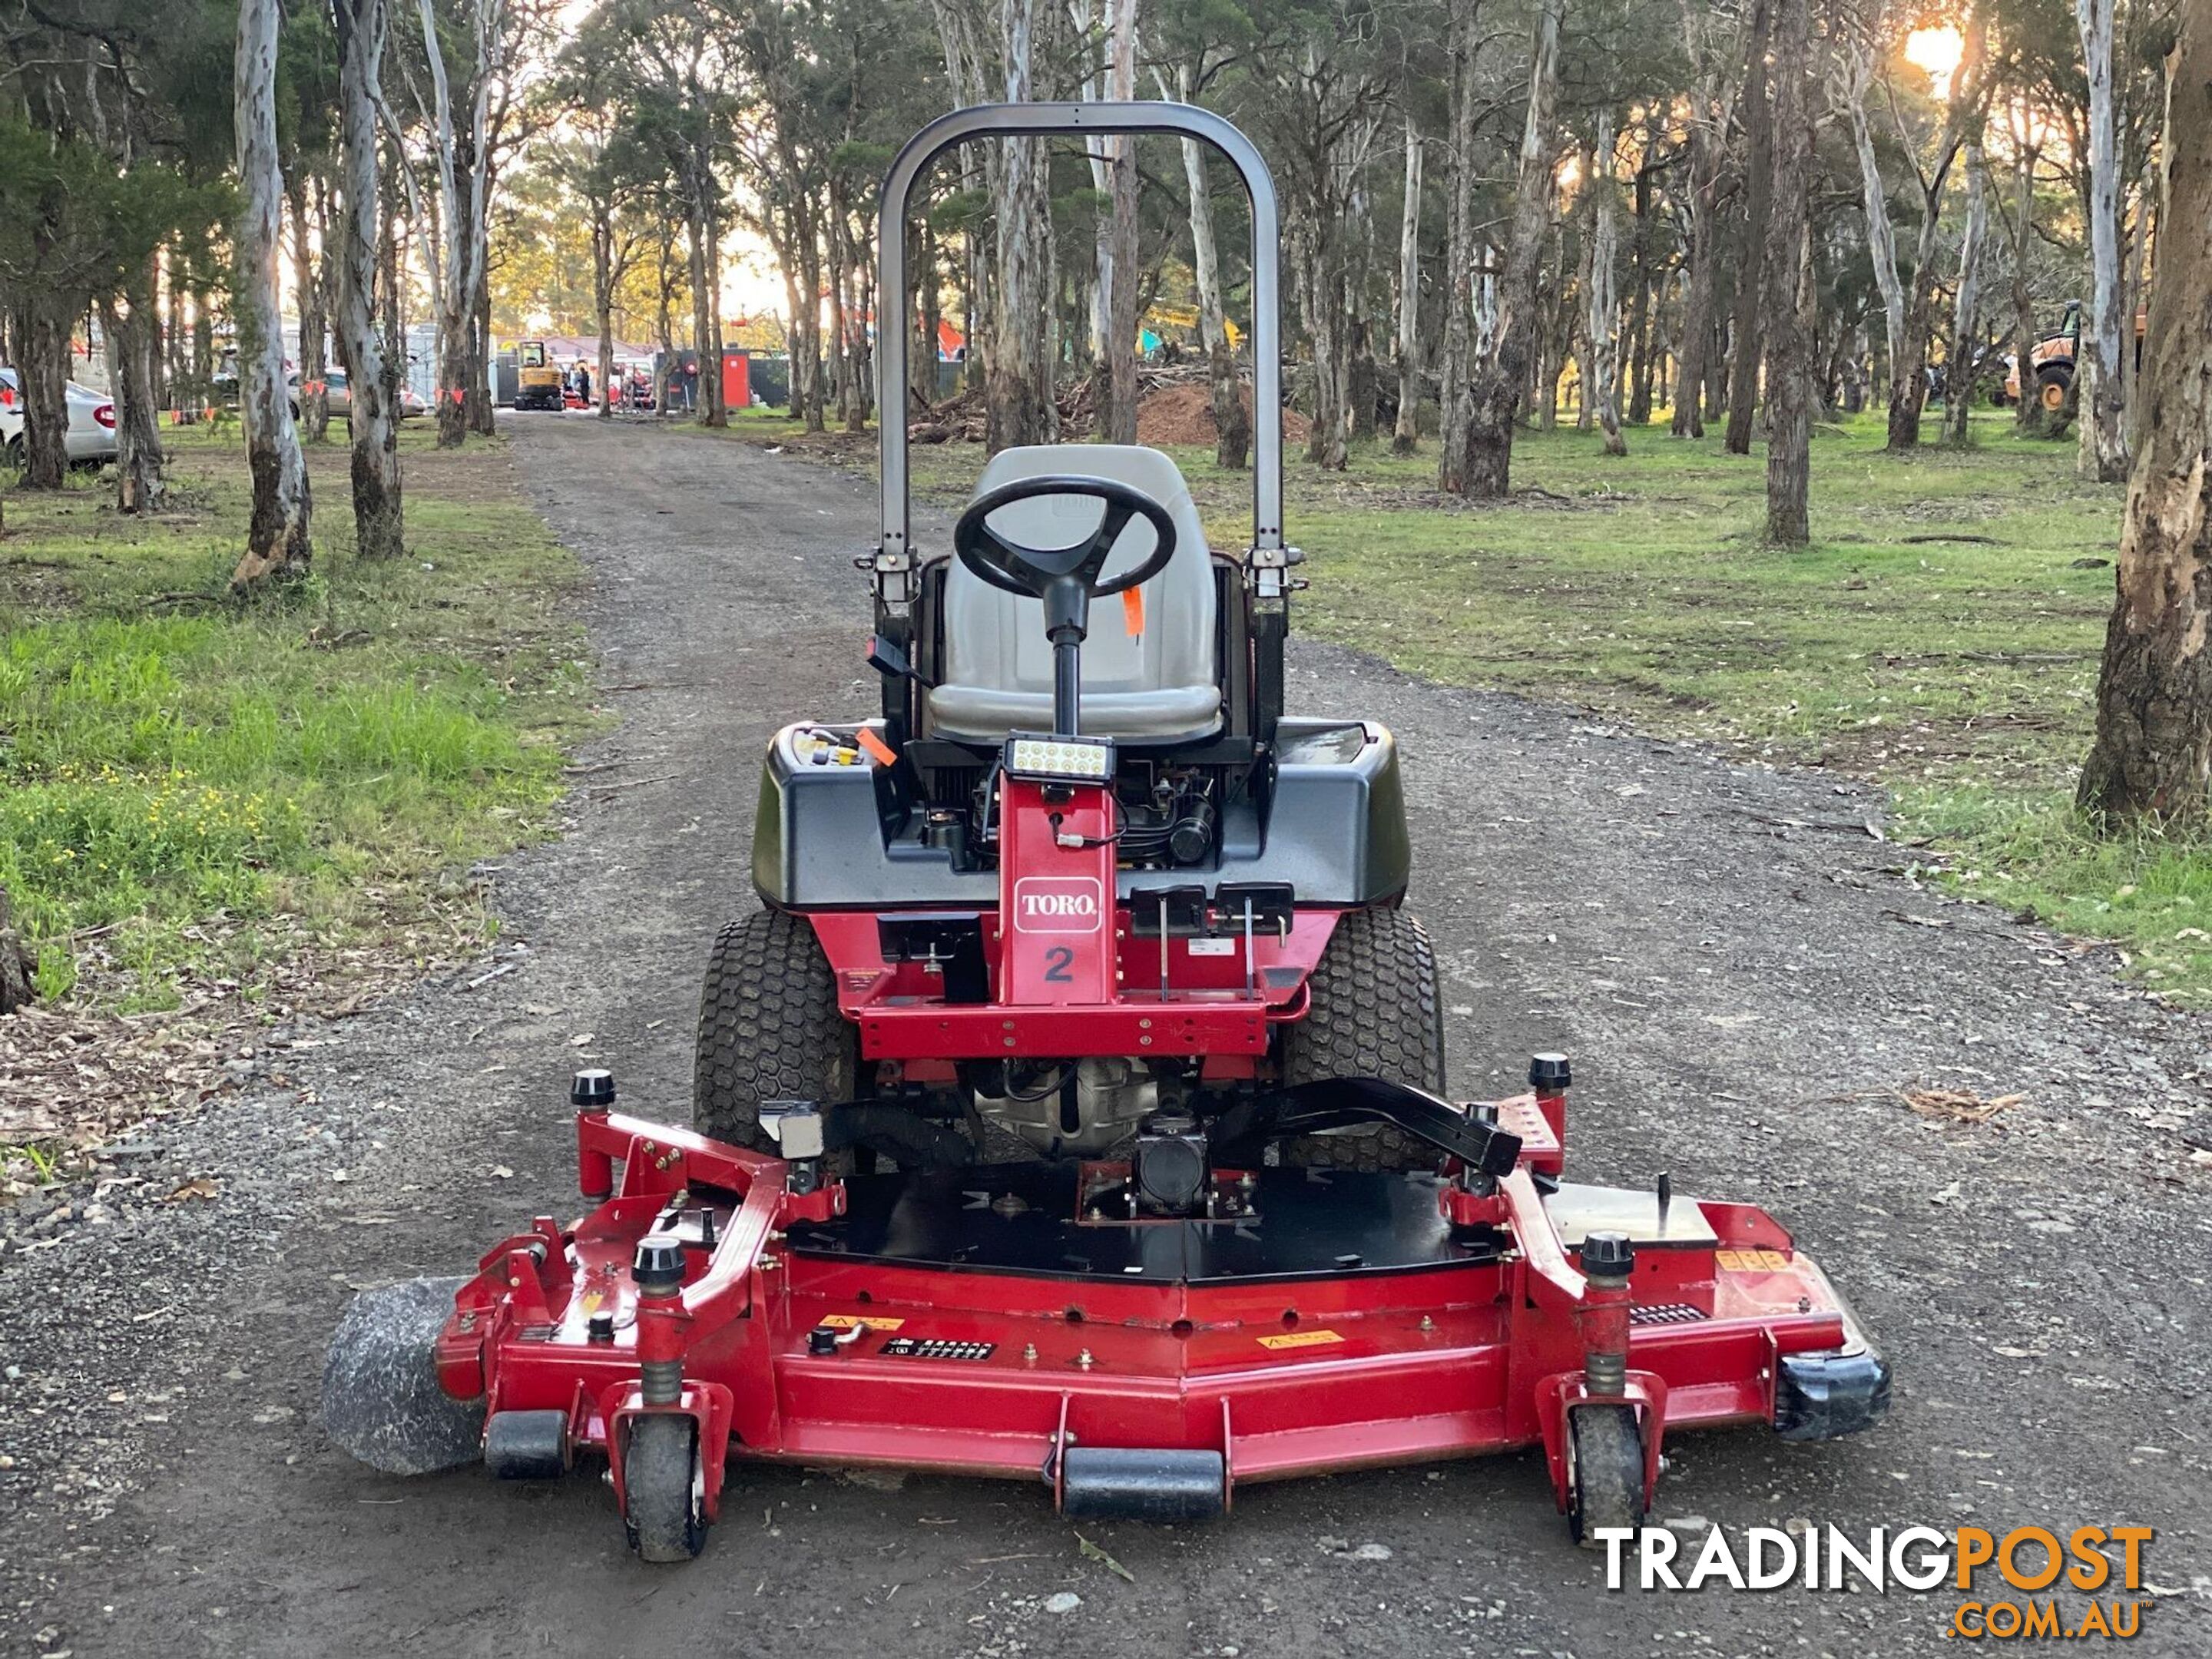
(1605, 1471)
(665, 1483)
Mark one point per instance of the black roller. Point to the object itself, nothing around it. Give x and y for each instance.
(527, 1445)
(1121, 1483)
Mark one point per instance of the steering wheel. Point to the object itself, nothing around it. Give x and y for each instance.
(1067, 578)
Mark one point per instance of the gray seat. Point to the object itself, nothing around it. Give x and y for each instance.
(1157, 684)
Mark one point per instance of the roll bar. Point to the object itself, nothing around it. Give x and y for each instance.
(1074, 119)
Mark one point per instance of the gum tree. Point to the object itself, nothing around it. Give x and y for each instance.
(2152, 754)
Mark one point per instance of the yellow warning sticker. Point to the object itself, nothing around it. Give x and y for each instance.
(864, 1321)
(1750, 1262)
(1300, 1340)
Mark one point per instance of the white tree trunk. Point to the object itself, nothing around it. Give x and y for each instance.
(1020, 407)
(1966, 310)
(277, 535)
(1100, 154)
(1455, 370)
(1602, 319)
(1232, 426)
(379, 525)
(2104, 454)
(1120, 425)
(464, 224)
(1406, 436)
(1881, 240)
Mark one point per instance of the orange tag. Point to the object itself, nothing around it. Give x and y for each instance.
(1300, 1340)
(1132, 610)
(885, 754)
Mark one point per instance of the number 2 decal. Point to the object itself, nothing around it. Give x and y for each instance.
(1057, 961)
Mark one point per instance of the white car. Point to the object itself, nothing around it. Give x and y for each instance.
(91, 438)
(339, 395)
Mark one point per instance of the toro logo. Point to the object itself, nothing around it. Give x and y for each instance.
(1057, 904)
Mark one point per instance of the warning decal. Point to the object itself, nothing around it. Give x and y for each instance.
(1300, 1340)
(865, 1322)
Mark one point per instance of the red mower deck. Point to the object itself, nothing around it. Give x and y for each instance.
(1016, 1322)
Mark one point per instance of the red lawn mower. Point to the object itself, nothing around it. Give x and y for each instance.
(1073, 1109)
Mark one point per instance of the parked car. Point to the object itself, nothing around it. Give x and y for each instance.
(411, 404)
(91, 437)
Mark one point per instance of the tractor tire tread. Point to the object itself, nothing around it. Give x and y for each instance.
(1373, 1011)
(769, 1028)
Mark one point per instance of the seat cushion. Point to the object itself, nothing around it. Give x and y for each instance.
(1150, 670)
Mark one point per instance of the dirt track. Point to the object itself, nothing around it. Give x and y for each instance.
(1740, 970)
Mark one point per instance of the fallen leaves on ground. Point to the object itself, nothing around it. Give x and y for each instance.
(1957, 1105)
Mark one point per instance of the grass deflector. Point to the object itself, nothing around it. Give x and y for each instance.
(1075, 1107)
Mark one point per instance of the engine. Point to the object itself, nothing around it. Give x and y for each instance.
(1084, 1108)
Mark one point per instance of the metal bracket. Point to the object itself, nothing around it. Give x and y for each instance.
(1340, 1103)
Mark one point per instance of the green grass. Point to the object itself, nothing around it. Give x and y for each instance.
(1940, 635)
(194, 788)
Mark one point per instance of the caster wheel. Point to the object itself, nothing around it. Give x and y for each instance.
(665, 1484)
(1605, 1471)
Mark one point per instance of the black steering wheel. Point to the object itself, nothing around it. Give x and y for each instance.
(1060, 574)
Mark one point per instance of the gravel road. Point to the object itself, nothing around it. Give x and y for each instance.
(1746, 975)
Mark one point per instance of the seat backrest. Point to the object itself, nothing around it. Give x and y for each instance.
(1149, 662)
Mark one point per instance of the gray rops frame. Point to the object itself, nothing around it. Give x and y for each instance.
(1078, 120)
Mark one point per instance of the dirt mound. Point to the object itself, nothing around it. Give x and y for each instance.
(1184, 415)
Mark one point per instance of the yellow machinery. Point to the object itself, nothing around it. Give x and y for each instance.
(537, 383)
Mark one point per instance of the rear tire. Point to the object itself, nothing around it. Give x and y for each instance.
(1605, 1472)
(2051, 385)
(1373, 1011)
(665, 1507)
(769, 1029)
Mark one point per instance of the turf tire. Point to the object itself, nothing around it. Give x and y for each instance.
(769, 1029)
(1374, 1012)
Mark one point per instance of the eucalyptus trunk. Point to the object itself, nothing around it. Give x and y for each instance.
(2104, 453)
(2028, 412)
(1455, 378)
(1748, 345)
(1788, 303)
(1405, 437)
(1692, 369)
(1601, 322)
(313, 399)
(1498, 381)
(132, 324)
(1120, 425)
(372, 373)
(277, 544)
(1232, 423)
(2152, 754)
(1958, 376)
(602, 300)
(42, 346)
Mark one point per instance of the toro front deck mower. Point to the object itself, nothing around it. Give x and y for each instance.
(1075, 1107)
